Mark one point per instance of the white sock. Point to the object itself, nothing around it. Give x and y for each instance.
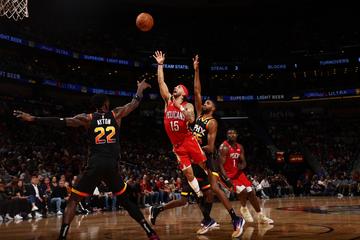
(194, 184)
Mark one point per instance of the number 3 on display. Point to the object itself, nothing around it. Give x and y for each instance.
(174, 126)
(101, 132)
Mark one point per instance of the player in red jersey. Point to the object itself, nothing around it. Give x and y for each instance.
(178, 114)
(232, 163)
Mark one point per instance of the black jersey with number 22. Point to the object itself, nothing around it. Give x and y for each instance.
(104, 132)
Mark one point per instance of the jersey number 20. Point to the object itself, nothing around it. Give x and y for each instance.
(110, 132)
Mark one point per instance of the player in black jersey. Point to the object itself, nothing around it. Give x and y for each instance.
(205, 130)
(104, 130)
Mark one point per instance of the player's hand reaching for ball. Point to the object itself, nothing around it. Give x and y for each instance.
(196, 62)
(23, 116)
(159, 57)
(143, 85)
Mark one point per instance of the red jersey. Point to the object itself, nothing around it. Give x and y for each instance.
(232, 160)
(175, 123)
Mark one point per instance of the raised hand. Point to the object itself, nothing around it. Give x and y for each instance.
(159, 57)
(23, 116)
(196, 62)
(143, 85)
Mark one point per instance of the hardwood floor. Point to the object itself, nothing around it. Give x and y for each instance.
(298, 218)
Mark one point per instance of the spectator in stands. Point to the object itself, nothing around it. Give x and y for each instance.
(266, 186)
(59, 196)
(36, 196)
(150, 197)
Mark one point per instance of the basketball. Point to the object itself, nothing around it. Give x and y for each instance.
(144, 22)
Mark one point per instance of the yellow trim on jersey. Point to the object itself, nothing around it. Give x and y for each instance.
(121, 191)
(82, 194)
(206, 187)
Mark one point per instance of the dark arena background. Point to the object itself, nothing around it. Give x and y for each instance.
(284, 75)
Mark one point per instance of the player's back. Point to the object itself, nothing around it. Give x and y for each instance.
(232, 159)
(104, 133)
(175, 123)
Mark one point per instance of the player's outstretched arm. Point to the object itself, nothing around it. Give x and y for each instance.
(223, 152)
(81, 120)
(197, 86)
(212, 131)
(164, 91)
(123, 111)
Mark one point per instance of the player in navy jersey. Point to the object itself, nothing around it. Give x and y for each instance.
(104, 132)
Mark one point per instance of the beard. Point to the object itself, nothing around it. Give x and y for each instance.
(205, 111)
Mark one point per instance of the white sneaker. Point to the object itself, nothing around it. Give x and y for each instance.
(38, 215)
(34, 208)
(246, 214)
(262, 219)
(205, 227)
(18, 217)
(1, 218)
(59, 213)
(147, 205)
(8, 217)
(29, 216)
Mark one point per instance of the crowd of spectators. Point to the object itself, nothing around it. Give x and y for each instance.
(39, 166)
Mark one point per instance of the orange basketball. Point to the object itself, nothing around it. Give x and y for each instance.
(144, 22)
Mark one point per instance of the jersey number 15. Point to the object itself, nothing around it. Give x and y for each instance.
(174, 126)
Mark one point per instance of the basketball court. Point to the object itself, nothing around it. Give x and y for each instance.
(295, 218)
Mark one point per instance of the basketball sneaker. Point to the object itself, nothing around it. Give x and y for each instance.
(206, 226)
(154, 212)
(18, 217)
(262, 219)
(154, 237)
(238, 224)
(246, 214)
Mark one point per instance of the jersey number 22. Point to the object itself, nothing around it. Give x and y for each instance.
(110, 132)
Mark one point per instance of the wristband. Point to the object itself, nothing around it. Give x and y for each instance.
(137, 98)
(182, 108)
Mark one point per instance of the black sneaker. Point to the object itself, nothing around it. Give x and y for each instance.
(154, 212)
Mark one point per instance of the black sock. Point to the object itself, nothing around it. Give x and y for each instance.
(208, 207)
(63, 231)
(144, 224)
(205, 208)
(232, 214)
(136, 214)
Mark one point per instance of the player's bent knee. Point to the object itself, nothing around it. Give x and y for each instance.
(240, 189)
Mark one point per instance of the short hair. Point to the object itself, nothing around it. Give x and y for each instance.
(232, 129)
(98, 100)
